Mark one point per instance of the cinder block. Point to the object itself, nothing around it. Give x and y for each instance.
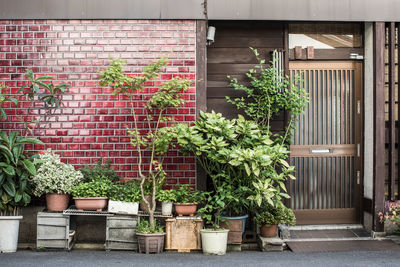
(270, 244)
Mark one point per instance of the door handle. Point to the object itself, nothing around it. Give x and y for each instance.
(321, 150)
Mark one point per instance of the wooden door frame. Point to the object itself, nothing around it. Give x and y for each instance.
(343, 215)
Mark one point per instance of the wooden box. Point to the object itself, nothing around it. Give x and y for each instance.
(183, 234)
(121, 232)
(53, 231)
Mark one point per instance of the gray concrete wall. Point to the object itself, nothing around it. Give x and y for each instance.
(301, 10)
(368, 111)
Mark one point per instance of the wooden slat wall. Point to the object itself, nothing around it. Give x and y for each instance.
(392, 98)
(230, 55)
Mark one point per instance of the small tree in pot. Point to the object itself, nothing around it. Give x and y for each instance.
(156, 140)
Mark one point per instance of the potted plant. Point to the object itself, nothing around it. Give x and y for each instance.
(92, 195)
(15, 168)
(167, 198)
(55, 179)
(187, 200)
(214, 239)
(99, 171)
(124, 198)
(155, 141)
(150, 238)
(270, 217)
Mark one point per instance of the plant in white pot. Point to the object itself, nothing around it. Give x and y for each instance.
(15, 168)
(215, 239)
(124, 198)
(167, 198)
(55, 179)
(92, 195)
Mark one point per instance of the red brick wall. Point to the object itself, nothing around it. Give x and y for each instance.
(92, 123)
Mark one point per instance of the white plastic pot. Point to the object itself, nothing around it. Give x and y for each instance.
(121, 207)
(166, 208)
(9, 227)
(214, 241)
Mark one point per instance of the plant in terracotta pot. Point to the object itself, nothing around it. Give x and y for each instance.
(15, 168)
(92, 195)
(124, 198)
(167, 198)
(55, 179)
(187, 200)
(269, 217)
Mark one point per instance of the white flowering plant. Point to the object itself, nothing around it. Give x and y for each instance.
(54, 176)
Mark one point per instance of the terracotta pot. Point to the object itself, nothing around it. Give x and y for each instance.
(185, 209)
(143, 205)
(235, 230)
(269, 230)
(57, 202)
(90, 203)
(150, 243)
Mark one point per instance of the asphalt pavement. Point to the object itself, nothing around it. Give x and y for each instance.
(232, 259)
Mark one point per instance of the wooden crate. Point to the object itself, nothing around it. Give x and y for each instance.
(121, 232)
(53, 231)
(183, 234)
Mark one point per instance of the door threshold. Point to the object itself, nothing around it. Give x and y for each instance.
(310, 227)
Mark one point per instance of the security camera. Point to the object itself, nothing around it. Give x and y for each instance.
(210, 35)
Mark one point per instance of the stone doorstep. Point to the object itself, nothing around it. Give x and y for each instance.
(270, 244)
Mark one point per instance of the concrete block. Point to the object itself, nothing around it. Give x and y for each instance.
(270, 244)
(234, 247)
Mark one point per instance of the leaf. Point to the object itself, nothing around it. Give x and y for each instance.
(26, 198)
(284, 162)
(246, 166)
(18, 197)
(46, 78)
(9, 170)
(30, 140)
(29, 166)
(291, 177)
(10, 189)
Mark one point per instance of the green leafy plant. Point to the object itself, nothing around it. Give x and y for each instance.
(144, 227)
(156, 139)
(166, 195)
(270, 215)
(238, 156)
(97, 188)
(44, 96)
(186, 194)
(15, 168)
(126, 191)
(268, 94)
(4, 99)
(53, 176)
(99, 172)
